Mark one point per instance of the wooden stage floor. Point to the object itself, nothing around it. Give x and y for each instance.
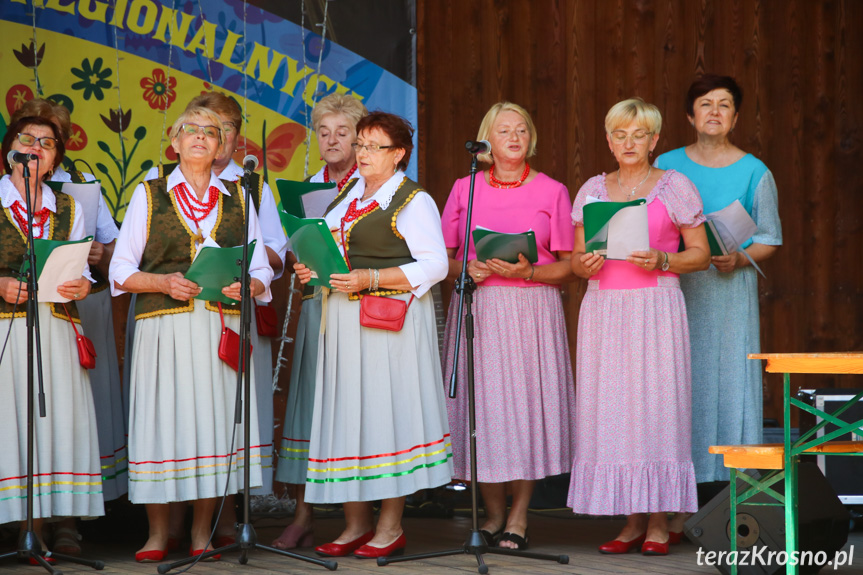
(551, 532)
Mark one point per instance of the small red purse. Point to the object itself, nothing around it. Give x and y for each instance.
(229, 344)
(267, 320)
(383, 313)
(86, 351)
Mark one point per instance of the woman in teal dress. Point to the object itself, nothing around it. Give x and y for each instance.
(722, 301)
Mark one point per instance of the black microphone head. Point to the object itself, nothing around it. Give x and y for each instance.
(478, 147)
(14, 158)
(250, 162)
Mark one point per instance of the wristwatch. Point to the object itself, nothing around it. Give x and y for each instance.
(665, 264)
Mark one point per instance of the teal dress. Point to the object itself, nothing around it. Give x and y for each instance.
(723, 315)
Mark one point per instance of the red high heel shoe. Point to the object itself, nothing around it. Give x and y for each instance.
(397, 547)
(342, 549)
(654, 548)
(196, 552)
(152, 556)
(617, 547)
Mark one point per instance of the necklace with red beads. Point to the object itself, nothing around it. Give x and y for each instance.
(41, 218)
(507, 185)
(344, 180)
(192, 207)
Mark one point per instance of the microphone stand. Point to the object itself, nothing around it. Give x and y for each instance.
(465, 286)
(246, 538)
(29, 545)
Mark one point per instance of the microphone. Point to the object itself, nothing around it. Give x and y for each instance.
(478, 147)
(14, 158)
(250, 162)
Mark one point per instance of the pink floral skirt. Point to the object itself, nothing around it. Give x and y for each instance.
(633, 422)
(525, 398)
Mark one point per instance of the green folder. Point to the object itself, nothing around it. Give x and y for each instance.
(597, 216)
(298, 196)
(490, 244)
(43, 249)
(315, 247)
(217, 268)
(714, 239)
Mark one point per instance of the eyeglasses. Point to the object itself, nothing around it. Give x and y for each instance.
(638, 137)
(371, 148)
(209, 131)
(47, 142)
(229, 127)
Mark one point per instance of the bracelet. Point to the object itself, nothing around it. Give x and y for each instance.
(532, 271)
(370, 279)
(377, 279)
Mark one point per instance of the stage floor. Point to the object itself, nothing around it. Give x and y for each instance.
(550, 532)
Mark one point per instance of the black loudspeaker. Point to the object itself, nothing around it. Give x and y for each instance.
(823, 527)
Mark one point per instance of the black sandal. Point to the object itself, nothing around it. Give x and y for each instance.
(520, 542)
(491, 539)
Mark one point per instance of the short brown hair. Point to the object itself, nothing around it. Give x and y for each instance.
(707, 83)
(21, 123)
(48, 110)
(348, 106)
(396, 128)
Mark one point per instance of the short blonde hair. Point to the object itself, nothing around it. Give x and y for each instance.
(646, 116)
(489, 119)
(348, 106)
(199, 112)
(220, 104)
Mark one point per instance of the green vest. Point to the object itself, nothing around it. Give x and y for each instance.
(372, 240)
(257, 183)
(14, 252)
(101, 282)
(171, 243)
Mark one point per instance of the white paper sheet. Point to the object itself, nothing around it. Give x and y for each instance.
(628, 232)
(88, 195)
(316, 203)
(66, 263)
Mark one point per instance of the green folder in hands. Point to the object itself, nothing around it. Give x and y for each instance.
(315, 247)
(616, 229)
(490, 244)
(217, 268)
(306, 199)
(43, 249)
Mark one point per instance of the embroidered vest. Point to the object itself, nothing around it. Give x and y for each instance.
(372, 241)
(171, 244)
(14, 251)
(101, 281)
(257, 184)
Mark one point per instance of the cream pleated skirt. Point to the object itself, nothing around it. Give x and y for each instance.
(68, 479)
(183, 441)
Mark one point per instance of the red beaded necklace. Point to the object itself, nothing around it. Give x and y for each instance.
(506, 185)
(344, 180)
(190, 204)
(41, 218)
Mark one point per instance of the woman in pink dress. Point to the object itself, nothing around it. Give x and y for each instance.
(633, 377)
(525, 400)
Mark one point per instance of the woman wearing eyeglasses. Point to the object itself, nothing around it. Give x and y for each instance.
(525, 400)
(66, 449)
(632, 367)
(183, 442)
(276, 244)
(334, 120)
(379, 429)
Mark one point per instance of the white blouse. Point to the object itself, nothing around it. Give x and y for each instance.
(419, 223)
(133, 237)
(9, 195)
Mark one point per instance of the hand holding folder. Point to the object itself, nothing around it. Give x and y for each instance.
(315, 247)
(216, 268)
(490, 244)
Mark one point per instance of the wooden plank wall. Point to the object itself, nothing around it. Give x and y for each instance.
(799, 62)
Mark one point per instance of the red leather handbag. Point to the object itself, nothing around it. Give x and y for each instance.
(86, 351)
(383, 313)
(266, 320)
(229, 344)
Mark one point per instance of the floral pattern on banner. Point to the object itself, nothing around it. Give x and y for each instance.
(16, 96)
(28, 56)
(93, 79)
(159, 90)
